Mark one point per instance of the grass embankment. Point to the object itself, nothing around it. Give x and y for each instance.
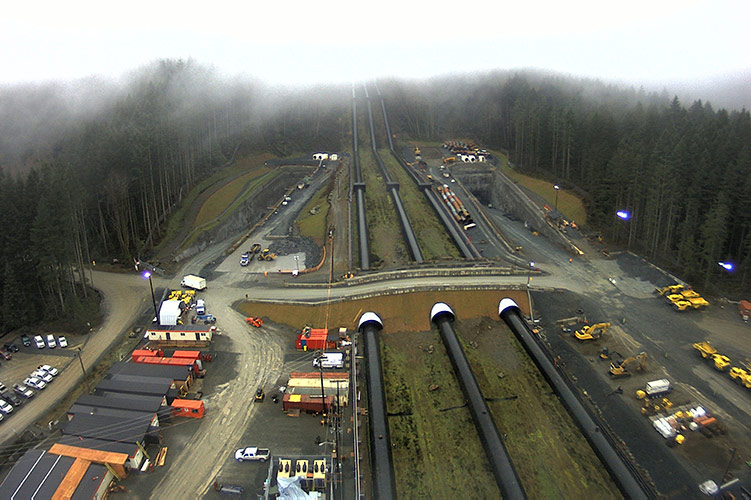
(176, 221)
(569, 204)
(437, 452)
(223, 198)
(314, 225)
(432, 237)
(550, 455)
(385, 238)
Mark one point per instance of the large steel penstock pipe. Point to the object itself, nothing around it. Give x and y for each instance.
(505, 474)
(509, 312)
(380, 443)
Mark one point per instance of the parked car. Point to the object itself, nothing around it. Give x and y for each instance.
(6, 355)
(51, 341)
(39, 342)
(62, 341)
(35, 383)
(5, 408)
(23, 391)
(11, 347)
(25, 340)
(252, 453)
(41, 374)
(49, 369)
(10, 397)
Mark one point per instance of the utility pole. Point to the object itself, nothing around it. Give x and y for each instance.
(83, 370)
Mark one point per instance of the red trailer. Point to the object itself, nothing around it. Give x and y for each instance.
(138, 353)
(311, 339)
(187, 408)
(194, 355)
(744, 307)
(194, 364)
(307, 403)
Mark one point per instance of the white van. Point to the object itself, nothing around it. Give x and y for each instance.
(200, 307)
(330, 360)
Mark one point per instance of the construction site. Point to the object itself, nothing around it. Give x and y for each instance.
(381, 319)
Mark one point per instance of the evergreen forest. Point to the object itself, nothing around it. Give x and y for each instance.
(93, 173)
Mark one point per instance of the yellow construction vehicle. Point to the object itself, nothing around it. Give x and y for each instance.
(692, 303)
(705, 349)
(669, 289)
(741, 377)
(621, 368)
(591, 332)
(721, 363)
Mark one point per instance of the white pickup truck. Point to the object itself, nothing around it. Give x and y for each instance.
(252, 454)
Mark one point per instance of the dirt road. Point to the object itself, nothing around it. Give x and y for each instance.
(124, 298)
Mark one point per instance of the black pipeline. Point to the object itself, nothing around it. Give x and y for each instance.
(508, 482)
(380, 449)
(621, 474)
(359, 187)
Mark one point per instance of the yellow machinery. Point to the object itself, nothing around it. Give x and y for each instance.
(650, 408)
(591, 332)
(621, 369)
(741, 376)
(705, 349)
(669, 289)
(721, 363)
(691, 303)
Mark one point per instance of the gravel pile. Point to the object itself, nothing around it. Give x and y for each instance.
(295, 244)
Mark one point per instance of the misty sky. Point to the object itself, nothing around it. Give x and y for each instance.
(296, 42)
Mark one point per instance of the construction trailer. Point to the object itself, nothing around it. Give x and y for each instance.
(307, 403)
(334, 383)
(181, 336)
(132, 450)
(193, 408)
(134, 402)
(180, 373)
(136, 384)
(43, 474)
(311, 339)
(108, 428)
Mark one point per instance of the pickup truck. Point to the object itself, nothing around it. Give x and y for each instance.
(252, 454)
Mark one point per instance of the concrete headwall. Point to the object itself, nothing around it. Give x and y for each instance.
(490, 185)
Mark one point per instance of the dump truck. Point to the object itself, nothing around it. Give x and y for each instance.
(741, 376)
(194, 282)
(622, 368)
(671, 289)
(705, 349)
(720, 362)
(692, 303)
(655, 388)
(591, 332)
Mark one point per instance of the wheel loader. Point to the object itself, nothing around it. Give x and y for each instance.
(622, 368)
(591, 332)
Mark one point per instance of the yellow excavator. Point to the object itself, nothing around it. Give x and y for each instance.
(591, 332)
(622, 368)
